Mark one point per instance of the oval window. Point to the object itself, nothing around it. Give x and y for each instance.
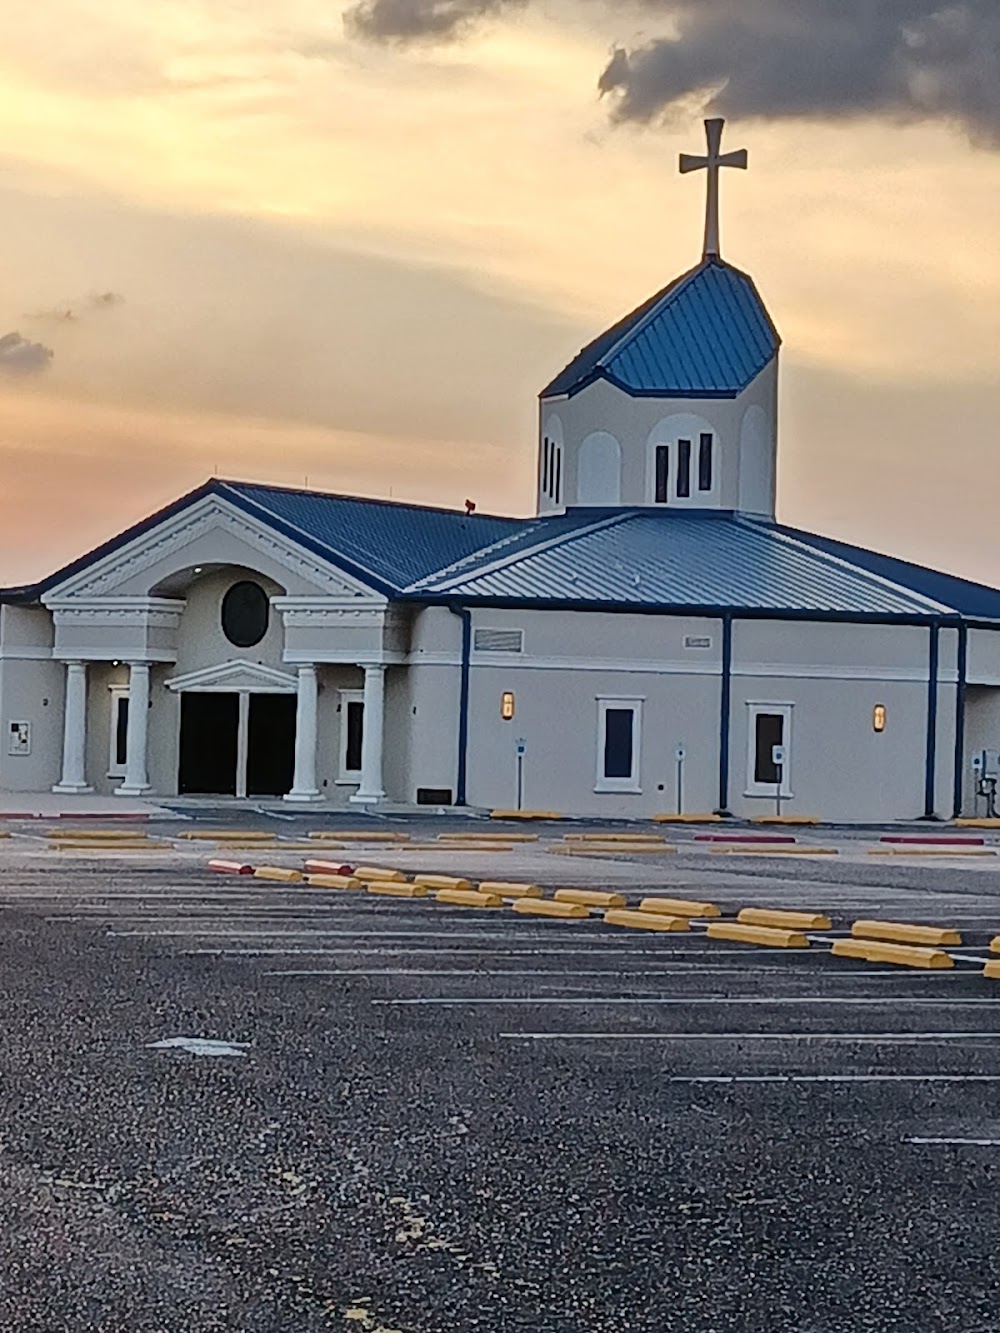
(245, 613)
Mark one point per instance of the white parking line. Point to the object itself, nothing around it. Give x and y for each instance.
(881, 1038)
(725, 1079)
(694, 1002)
(963, 1143)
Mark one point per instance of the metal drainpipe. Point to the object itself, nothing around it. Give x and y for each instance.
(465, 615)
(960, 698)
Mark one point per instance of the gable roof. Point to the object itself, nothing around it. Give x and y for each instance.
(704, 561)
(706, 335)
(712, 562)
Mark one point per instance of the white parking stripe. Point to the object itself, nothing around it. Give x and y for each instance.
(725, 1079)
(694, 1002)
(886, 1038)
(964, 1143)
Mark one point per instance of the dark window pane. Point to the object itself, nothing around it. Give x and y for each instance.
(355, 724)
(662, 473)
(618, 723)
(683, 469)
(705, 464)
(545, 465)
(245, 613)
(770, 732)
(121, 733)
(557, 485)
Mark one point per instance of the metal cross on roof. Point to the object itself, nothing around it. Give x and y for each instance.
(714, 162)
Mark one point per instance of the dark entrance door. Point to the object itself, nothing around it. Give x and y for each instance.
(209, 727)
(271, 745)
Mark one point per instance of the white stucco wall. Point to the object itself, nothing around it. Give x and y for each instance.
(745, 430)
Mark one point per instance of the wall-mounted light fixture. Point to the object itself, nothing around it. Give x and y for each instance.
(878, 718)
(507, 706)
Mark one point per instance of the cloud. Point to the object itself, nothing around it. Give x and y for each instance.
(905, 59)
(18, 356)
(420, 20)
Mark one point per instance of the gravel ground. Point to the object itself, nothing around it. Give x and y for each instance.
(444, 1121)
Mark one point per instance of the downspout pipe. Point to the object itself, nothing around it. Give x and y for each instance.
(961, 694)
(930, 776)
(462, 782)
(725, 714)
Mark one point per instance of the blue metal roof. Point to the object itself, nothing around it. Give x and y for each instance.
(710, 561)
(618, 559)
(398, 544)
(707, 335)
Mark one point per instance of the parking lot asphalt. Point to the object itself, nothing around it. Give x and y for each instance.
(427, 1119)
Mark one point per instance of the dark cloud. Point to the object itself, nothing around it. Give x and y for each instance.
(420, 20)
(904, 59)
(18, 356)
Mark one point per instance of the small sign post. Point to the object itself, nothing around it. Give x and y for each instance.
(680, 756)
(522, 747)
(778, 760)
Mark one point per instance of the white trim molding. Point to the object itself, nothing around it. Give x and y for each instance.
(632, 784)
(210, 514)
(236, 677)
(757, 709)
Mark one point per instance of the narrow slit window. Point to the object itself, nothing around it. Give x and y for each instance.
(618, 742)
(662, 474)
(705, 463)
(557, 486)
(683, 469)
(770, 732)
(545, 465)
(121, 731)
(355, 735)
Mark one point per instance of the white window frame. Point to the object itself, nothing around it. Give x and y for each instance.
(631, 784)
(755, 788)
(347, 777)
(115, 769)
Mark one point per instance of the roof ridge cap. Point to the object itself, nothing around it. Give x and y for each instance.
(792, 538)
(670, 293)
(564, 537)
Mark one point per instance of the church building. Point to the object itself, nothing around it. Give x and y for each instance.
(652, 641)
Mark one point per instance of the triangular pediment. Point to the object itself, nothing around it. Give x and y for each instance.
(209, 531)
(234, 676)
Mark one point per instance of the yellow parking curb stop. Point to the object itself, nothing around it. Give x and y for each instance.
(442, 882)
(647, 921)
(467, 898)
(872, 951)
(590, 898)
(759, 916)
(542, 907)
(282, 874)
(333, 882)
(379, 874)
(904, 933)
(386, 888)
(763, 935)
(678, 907)
(511, 890)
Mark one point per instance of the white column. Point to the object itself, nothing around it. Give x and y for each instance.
(371, 790)
(306, 719)
(136, 736)
(74, 772)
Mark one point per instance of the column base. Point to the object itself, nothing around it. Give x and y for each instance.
(366, 798)
(71, 789)
(303, 797)
(133, 791)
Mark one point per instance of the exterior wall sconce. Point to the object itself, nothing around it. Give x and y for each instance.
(507, 706)
(878, 718)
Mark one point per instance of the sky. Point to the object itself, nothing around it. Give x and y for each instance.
(344, 245)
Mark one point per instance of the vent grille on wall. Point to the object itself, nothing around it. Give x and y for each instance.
(498, 640)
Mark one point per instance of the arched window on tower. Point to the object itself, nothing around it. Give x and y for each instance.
(599, 470)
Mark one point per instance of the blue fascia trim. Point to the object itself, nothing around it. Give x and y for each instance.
(603, 374)
(462, 780)
(709, 612)
(308, 543)
(725, 714)
(934, 656)
(36, 590)
(960, 698)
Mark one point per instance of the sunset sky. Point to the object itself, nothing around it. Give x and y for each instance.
(263, 242)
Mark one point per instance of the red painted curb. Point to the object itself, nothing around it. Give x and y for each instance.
(916, 841)
(230, 868)
(744, 837)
